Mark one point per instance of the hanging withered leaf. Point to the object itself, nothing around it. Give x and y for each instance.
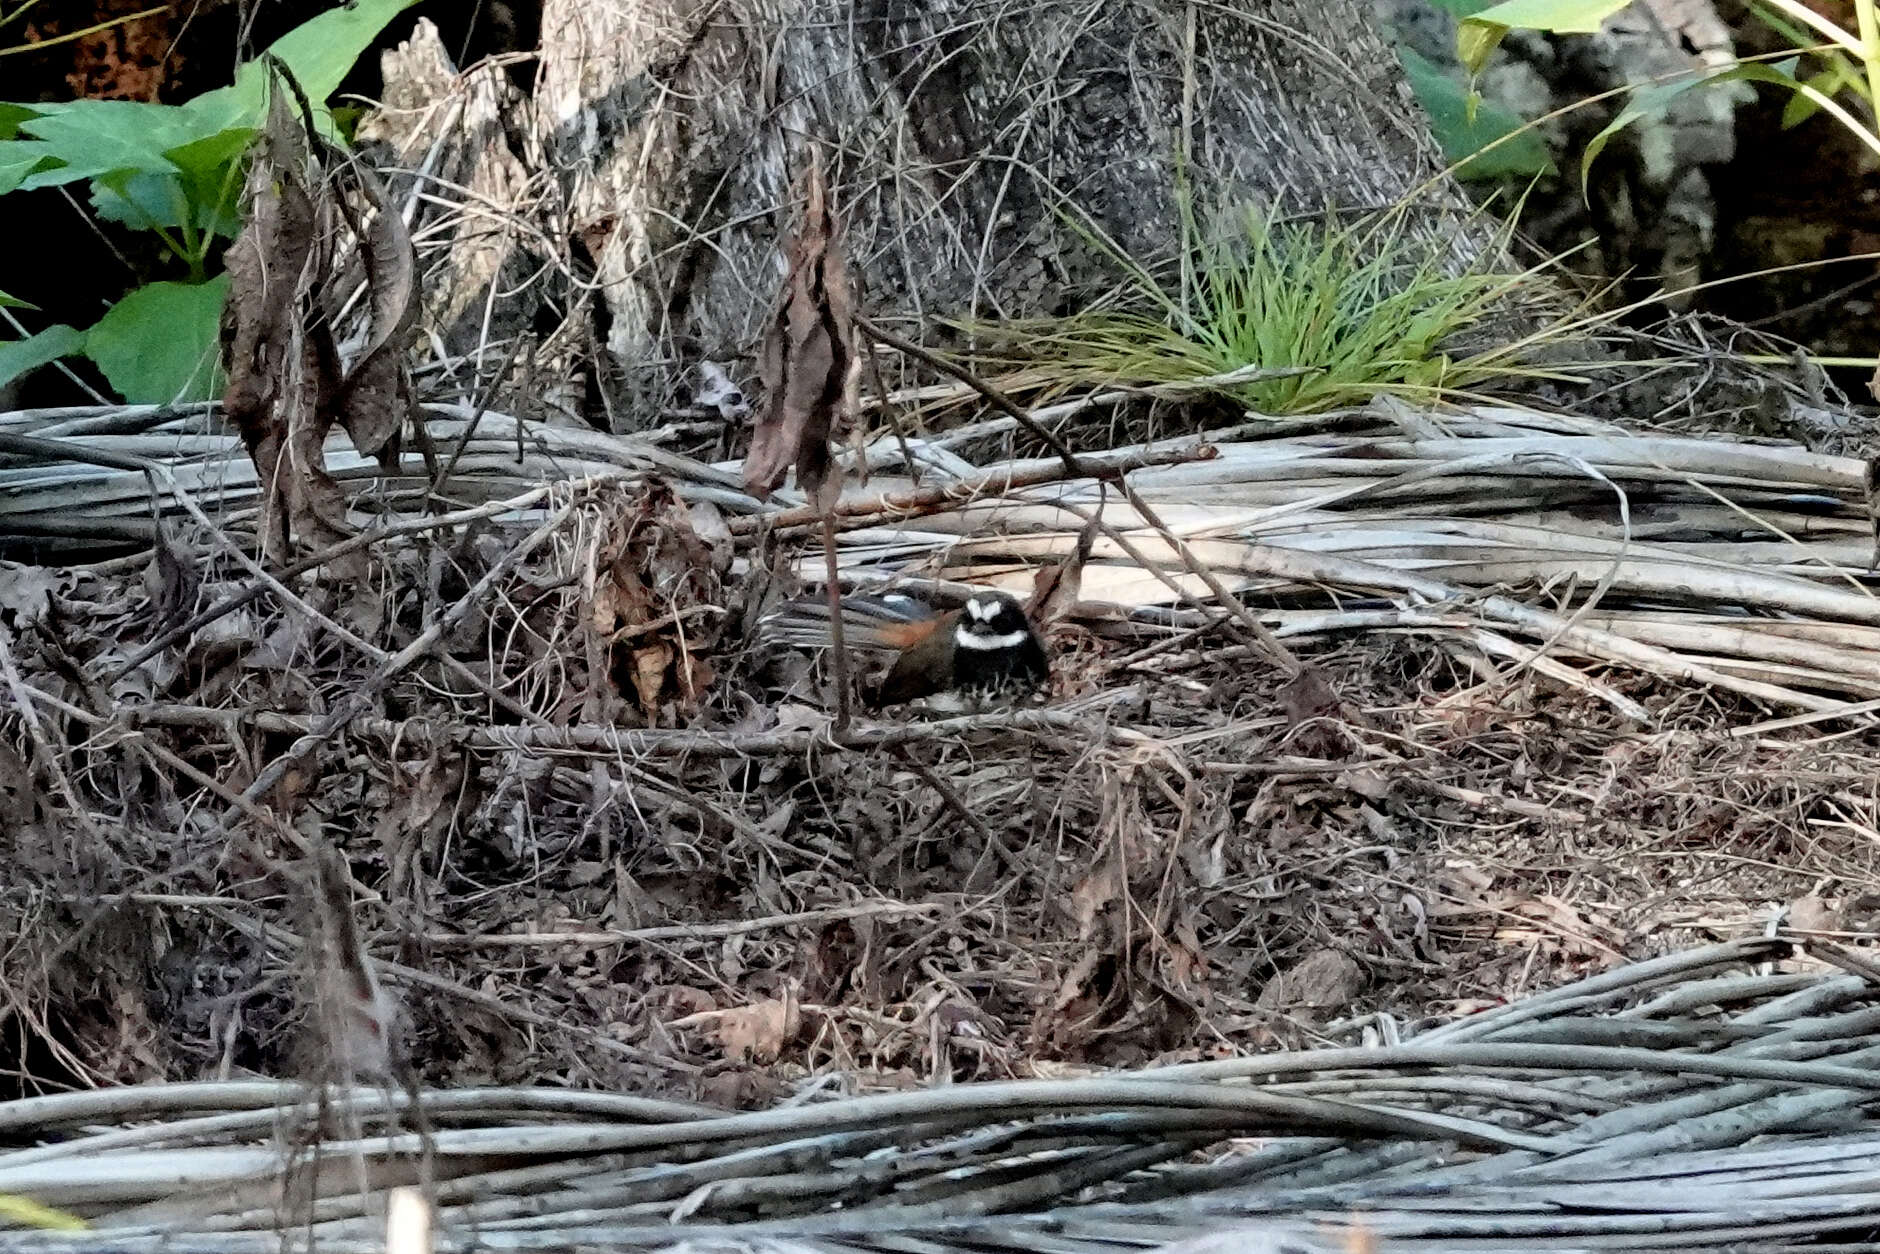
(808, 364)
(172, 581)
(286, 387)
(375, 396)
(356, 1021)
(279, 368)
(651, 588)
(1055, 589)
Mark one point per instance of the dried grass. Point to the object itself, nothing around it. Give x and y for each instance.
(1111, 881)
(602, 839)
(1704, 1099)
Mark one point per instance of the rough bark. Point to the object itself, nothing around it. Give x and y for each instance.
(667, 136)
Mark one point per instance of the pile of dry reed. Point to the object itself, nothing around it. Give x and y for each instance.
(1711, 1099)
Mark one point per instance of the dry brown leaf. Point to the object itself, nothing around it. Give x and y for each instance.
(798, 716)
(1367, 781)
(1467, 876)
(1814, 914)
(1071, 987)
(695, 675)
(708, 524)
(1461, 888)
(755, 1033)
(608, 608)
(23, 799)
(171, 583)
(1056, 588)
(375, 396)
(26, 592)
(694, 1001)
(283, 368)
(418, 812)
(1324, 981)
(1861, 914)
(808, 361)
(358, 1020)
(649, 675)
(1306, 696)
(1092, 893)
(1185, 962)
(649, 575)
(285, 387)
(1562, 927)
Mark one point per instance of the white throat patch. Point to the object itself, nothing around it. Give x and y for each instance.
(966, 638)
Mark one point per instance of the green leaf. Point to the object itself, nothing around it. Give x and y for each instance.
(11, 115)
(1653, 99)
(1447, 100)
(14, 302)
(203, 188)
(139, 200)
(1476, 42)
(212, 178)
(53, 144)
(346, 119)
(17, 162)
(1561, 17)
(209, 156)
(17, 357)
(88, 138)
(1802, 107)
(1647, 101)
(104, 139)
(158, 344)
(320, 52)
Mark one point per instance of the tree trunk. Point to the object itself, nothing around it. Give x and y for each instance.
(962, 140)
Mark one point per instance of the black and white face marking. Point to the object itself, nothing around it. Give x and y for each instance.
(991, 623)
(996, 654)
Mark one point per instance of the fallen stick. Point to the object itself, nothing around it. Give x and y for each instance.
(1604, 645)
(873, 511)
(613, 741)
(671, 932)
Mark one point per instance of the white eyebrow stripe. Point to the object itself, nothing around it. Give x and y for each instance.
(973, 640)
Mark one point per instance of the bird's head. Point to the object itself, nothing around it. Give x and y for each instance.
(991, 621)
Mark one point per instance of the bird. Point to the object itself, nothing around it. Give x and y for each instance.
(985, 653)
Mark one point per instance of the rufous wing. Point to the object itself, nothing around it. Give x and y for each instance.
(925, 667)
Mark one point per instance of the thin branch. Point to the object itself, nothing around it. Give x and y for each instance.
(893, 506)
(676, 932)
(611, 741)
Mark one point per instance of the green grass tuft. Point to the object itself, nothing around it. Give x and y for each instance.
(1367, 311)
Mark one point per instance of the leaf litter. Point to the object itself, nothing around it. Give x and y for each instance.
(1195, 853)
(1076, 954)
(530, 859)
